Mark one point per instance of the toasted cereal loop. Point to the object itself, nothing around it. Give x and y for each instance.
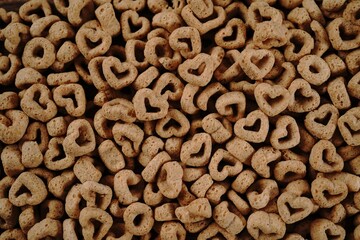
(180, 119)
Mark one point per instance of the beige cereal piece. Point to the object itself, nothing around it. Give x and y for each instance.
(111, 156)
(173, 124)
(118, 74)
(96, 195)
(151, 195)
(321, 122)
(28, 11)
(263, 225)
(172, 230)
(147, 219)
(228, 217)
(197, 151)
(238, 202)
(124, 5)
(253, 128)
(165, 212)
(71, 97)
(152, 168)
(336, 64)
(324, 158)
(156, 6)
(13, 124)
(69, 226)
(7, 17)
(196, 211)
(89, 214)
(130, 17)
(57, 79)
(286, 133)
(229, 69)
(353, 86)
(303, 98)
(106, 16)
(36, 187)
(200, 187)
(14, 233)
(201, 8)
(74, 10)
(231, 165)
(129, 136)
(11, 160)
(168, 20)
(217, 192)
(72, 202)
(57, 126)
(192, 174)
(335, 214)
(258, 11)
(269, 34)
(297, 38)
(191, 47)
(134, 51)
(9, 100)
(60, 184)
(222, 36)
(27, 218)
(261, 192)
(169, 180)
(323, 229)
(300, 17)
(86, 169)
(68, 52)
(151, 146)
(92, 31)
(123, 182)
(243, 181)
(119, 109)
(205, 99)
(340, 42)
(39, 26)
(31, 155)
(25, 77)
(169, 87)
(188, 98)
(314, 69)
(348, 125)
(289, 170)
(218, 127)
(336, 191)
(214, 230)
(9, 65)
(9, 214)
(45, 228)
(39, 53)
(338, 93)
(256, 63)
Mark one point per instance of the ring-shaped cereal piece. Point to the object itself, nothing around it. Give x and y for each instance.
(147, 219)
(314, 69)
(39, 53)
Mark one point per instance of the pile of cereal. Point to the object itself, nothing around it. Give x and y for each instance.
(180, 119)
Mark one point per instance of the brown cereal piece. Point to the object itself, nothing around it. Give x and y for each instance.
(92, 31)
(186, 40)
(37, 132)
(172, 230)
(9, 214)
(261, 192)
(11, 160)
(34, 9)
(303, 98)
(350, 12)
(7, 18)
(353, 86)
(215, 230)
(39, 53)
(80, 138)
(293, 208)
(165, 212)
(259, 11)
(201, 8)
(73, 202)
(205, 98)
(87, 218)
(9, 65)
(322, 42)
(123, 182)
(192, 174)
(71, 97)
(286, 134)
(59, 33)
(53, 209)
(67, 52)
(314, 69)
(146, 78)
(27, 218)
(55, 158)
(106, 16)
(57, 79)
(39, 28)
(197, 226)
(269, 34)
(174, 123)
(97, 74)
(256, 63)
(272, 100)
(324, 158)
(102, 125)
(197, 210)
(290, 170)
(134, 50)
(156, 6)
(201, 185)
(25, 77)
(169, 87)
(218, 127)
(216, 192)
(248, 128)
(335, 214)
(130, 17)
(16, 36)
(168, 20)
(57, 126)
(118, 74)
(204, 25)
(336, 64)
(12, 234)
(230, 68)
(119, 109)
(231, 165)
(228, 217)
(111, 156)
(188, 98)
(59, 185)
(74, 11)
(37, 191)
(151, 195)
(327, 193)
(152, 168)
(300, 17)
(145, 213)
(262, 225)
(338, 93)
(45, 228)
(191, 151)
(348, 126)
(69, 226)
(151, 146)
(352, 181)
(96, 195)
(314, 11)
(198, 70)
(233, 27)
(244, 156)
(129, 136)
(13, 124)
(348, 40)
(322, 228)
(321, 122)
(238, 202)
(31, 155)
(9, 100)
(296, 38)
(86, 170)
(123, 5)
(169, 180)
(243, 181)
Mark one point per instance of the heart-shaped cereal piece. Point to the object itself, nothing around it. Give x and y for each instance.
(293, 208)
(133, 18)
(272, 100)
(324, 158)
(257, 63)
(253, 128)
(174, 123)
(323, 228)
(321, 122)
(286, 135)
(327, 193)
(149, 106)
(186, 40)
(197, 151)
(233, 35)
(118, 74)
(303, 98)
(349, 126)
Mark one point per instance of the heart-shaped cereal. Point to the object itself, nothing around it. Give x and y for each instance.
(272, 100)
(327, 193)
(118, 74)
(323, 228)
(133, 18)
(303, 98)
(349, 126)
(321, 122)
(293, 208)
(324, 158)
(233, 35)
(174, 123)
(257, 63)
(197, 151)
(149, 106)
(286, 134)
(253, 128)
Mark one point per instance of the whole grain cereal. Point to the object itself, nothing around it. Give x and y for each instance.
(180, 119)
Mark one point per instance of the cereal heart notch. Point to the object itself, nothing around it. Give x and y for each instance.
(256, 63)
(286, 134)
(233, 35)
(149, 106)
(303, 98)
(293, 208)
(253, 128)
(349, 126)
(118, 74)
(131, 19)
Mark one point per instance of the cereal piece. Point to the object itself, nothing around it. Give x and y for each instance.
(87, 218)
(147, 219)
(238, 202)
(166, 81)
(59, 185)
(25, 77)
(57, 79)
(118, 74)
(31, 155)
(168, 20)
(13, 124)
(189, 48)
(229, 69)
(57, 126)
(248, 128)
(39, 53)
(327, 193)
(9, 214)
(348, 126)
(134, 50)
(286, 134)
(123, 181)
(9, 100)
(215, 230)
(353, 86)
(14, 233)
(106, 15)
(96, 195)
(192, 174)
(129, 136)
(314, 69)
(187, 100)
(86, 170)
(338, 93)
(231, 165)
(322, 42)
(324, 158)
(72, 98)
(124, 5)
(256, 63)
(259, 12)
(29, 11)
(151, 195)
(173, 124)
(300, 43)
(35, 194)
(217, 192)
(111, 156)
(224, 37)
(196, 211)
(169, 181)
(340, 42)
(11, 160)
(197, 151)
(202, 185)
(45, 228)
(166, 212)
(92, 31)
(262, 192)
(131, 17)
(9, 65)
(205, 101)
(300, 17)
(149, 149)
(219, 128)
(290, 170)
(228, 217)
(321, 122)
(323, 229)
(262, 225)
(67, 52)
(302, 97)
(152, 168)
(269, 34)
(27, 218)
(172, 230)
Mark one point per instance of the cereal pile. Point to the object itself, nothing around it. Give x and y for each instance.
(180, 119)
